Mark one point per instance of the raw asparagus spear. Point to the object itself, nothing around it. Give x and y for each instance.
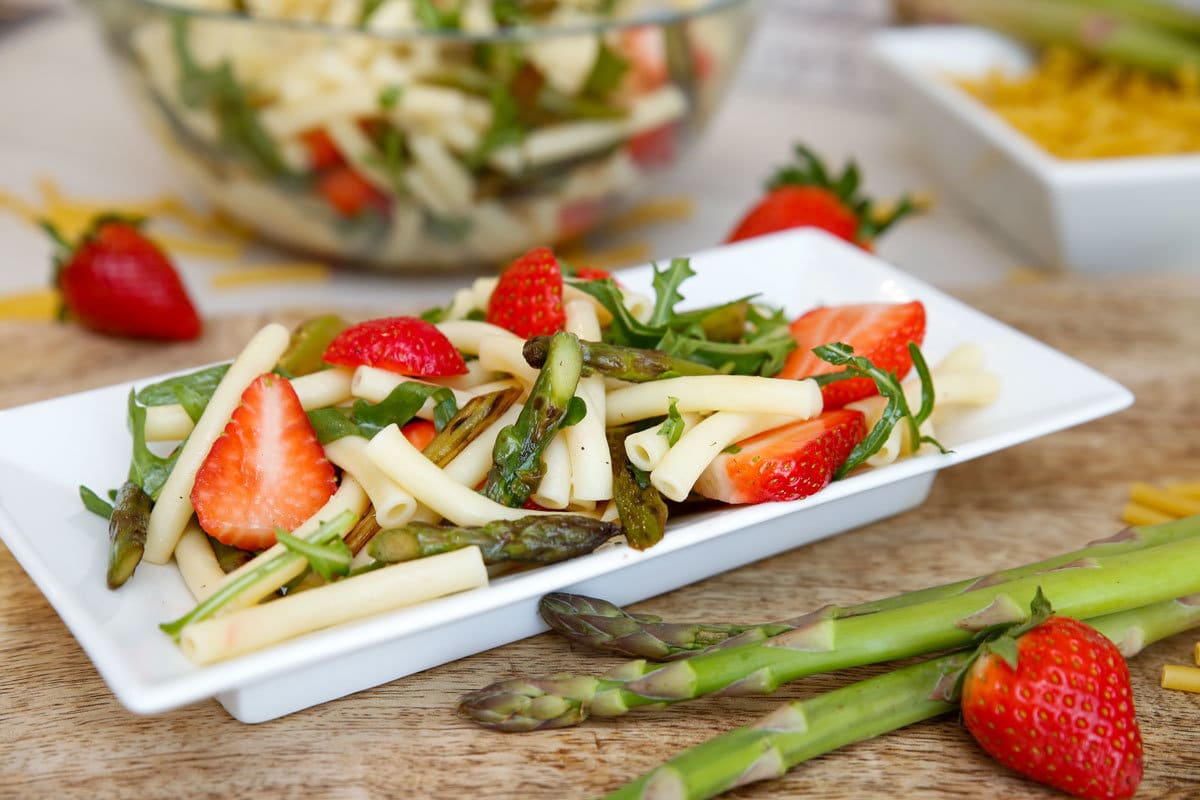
(804, 729)
(543, 539)
(1082, 589)
(127, 533)
(642, 510)
(618, 361)
(604, 626)
(517, 457)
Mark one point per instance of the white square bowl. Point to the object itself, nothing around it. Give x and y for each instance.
(1103, 215)
(52, 447)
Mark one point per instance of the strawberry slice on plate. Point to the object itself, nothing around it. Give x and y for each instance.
(528, 300)
(407, 345)
(879, 332)
(267, 469)
(785, 463)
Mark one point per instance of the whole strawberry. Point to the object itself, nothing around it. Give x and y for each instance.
(116, 281)
(805, 195)
(528, 300)
(1052, 701)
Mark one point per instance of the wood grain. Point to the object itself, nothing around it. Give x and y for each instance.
(63, 735)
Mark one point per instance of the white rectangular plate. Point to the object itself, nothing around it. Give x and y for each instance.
(54, 446)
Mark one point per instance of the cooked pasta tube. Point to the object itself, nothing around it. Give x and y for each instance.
(678, 471)
(963, 358)
(503, 353)
(374, 385)
(460, 504)
(475, 376)
(467, 334)
(317, 390)
(573, 295)
(174, 506)
(978, 388)
(554, 490)
(393, 505)
(349, 497)
(364, 595)
(744, 393)
(647, 448)
(470, 467)
(587, 446)
(197, 563)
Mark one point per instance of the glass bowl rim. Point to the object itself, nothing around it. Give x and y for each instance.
(653, 18)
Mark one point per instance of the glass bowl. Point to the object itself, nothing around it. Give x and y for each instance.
(426, 137)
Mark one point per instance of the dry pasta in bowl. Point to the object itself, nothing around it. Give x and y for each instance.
(338, 471)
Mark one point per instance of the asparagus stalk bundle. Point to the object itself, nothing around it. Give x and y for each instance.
(545, 539)
(1139, 33)
(601, 625)
(803, 729)
(634, 364)
(1081, 589)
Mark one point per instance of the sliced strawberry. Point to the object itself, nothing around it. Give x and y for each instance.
(591, 274)
(118, 282)
(407, 345)
(349, 193)
(528, 299)
(654, 148)
(786, 463)
(322, 152)
(879, 332)
(267, 469)
(419, 433)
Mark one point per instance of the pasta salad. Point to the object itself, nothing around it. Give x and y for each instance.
(338, 470)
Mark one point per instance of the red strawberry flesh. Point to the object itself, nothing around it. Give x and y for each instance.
(407, 345)
(266, 470)
(798, 207)
(527, 299)
(786, 463)
(879, 332)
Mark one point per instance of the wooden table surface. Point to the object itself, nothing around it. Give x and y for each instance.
(63, 734)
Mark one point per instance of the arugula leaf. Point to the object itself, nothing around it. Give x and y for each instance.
(666, 290)
(368, 10)
(608, 70)
(402, 404)
(672, 428)
(434, 19)
(146, 469)
(389, 96)
(328, 560)
(896, 411)
(506, 128)
(94, 503)
(733, 450)
(576, 411)
(331, 424)
(201, 384)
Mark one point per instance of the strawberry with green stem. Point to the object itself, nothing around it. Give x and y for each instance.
(115, 281)
(805, 194)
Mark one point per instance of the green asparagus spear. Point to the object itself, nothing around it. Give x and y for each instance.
(309, 341)
(642, 510)
(1111, 32)
(619, 361)
(517, 457)
(801, 730)
(540, 539)
(1083, 589)
(604, 626)
(127, 533)
(478, 413)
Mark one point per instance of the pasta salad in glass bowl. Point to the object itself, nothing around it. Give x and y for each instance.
(424, 134)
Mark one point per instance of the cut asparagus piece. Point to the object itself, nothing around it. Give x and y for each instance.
(127, 533)
(543, 539)
(642, 510)
(517, 457)
(308, 344)
(1082, 589)
(601, 625)
(632, 364)
(803, 729)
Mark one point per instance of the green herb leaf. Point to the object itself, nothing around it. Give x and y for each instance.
(146, 469)
(94, 503)
(402, 404)
(200, 384)
(506, 129)
(666, 290)
(368, 10)
(608, 71)
(672, 428)
(576, 411)
(328, 560)
(331, 424)
(733, 450)
(435, 315)
(389, 97)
